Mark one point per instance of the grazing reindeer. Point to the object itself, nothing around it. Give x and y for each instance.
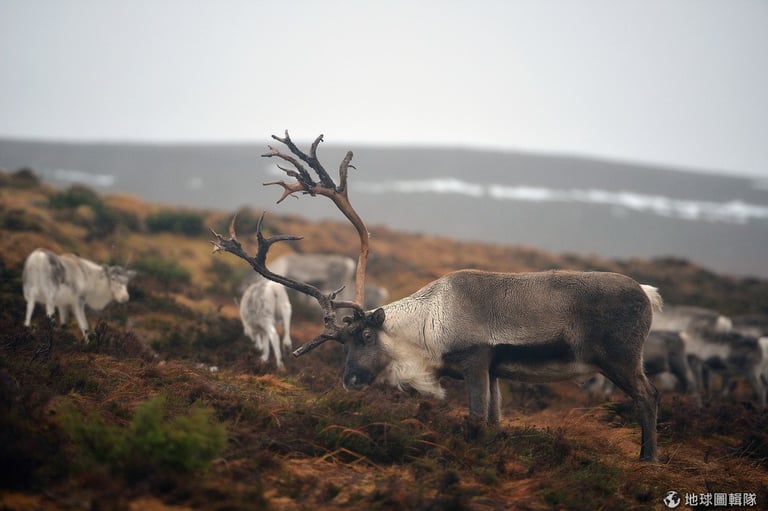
(475, 325)
(263, 305)
(67, 281)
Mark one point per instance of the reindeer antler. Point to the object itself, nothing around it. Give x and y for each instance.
(326, 187)
(327, 301)
(306, 185)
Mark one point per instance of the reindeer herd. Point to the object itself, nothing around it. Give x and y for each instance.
(473, 325)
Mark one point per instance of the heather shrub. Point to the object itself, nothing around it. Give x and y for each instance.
(153, 444)
(182, 222)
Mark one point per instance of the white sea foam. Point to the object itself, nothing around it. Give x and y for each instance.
(447, 185)
(737, 212)
(86, 178)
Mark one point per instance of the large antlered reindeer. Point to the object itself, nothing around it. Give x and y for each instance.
(475, 325)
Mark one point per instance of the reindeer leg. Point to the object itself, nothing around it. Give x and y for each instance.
(262, 343)
(494, 404)
(273, 340)
(50, 308)
(697, 371)
(30, 310)
(63, 315)
(475, 369)
(286, 317)
(645, 398)
(680, 367)
(79, 310)
(647, 403)
(759, 386)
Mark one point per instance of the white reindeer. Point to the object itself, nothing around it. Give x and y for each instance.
(265, 304)
(67, 282)
(476, 325)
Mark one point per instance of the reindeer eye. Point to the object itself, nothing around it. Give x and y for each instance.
(367, 335)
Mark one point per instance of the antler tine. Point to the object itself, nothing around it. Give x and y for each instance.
(303, 176)
(289, 189)
(326, 187)
(314, 343)
(311, 159)
(343, 171)
(232, 234)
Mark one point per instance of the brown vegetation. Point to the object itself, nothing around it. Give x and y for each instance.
(169, 407)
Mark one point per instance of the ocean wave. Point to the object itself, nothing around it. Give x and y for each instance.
(82, 177)
(443, 186)
(736, 211)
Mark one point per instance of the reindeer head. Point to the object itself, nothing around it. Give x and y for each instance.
(365, 356)
(350, 333)
(118, 278)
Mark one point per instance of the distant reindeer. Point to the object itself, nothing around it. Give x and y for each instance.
(327, 272)
(68, 282)
(732, 355)
(265, 304)
(709, 342)
(681, 318)
(663, 356)
(476, 325)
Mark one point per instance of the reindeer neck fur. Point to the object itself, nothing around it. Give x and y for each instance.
(410, 335)
(97, 292)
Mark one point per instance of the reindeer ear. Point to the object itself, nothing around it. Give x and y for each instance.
(377, 318)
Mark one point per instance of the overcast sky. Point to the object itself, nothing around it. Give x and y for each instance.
(676, 82)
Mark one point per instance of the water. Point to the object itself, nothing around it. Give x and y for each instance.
(608, 209)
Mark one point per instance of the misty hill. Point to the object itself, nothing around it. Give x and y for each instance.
(577, 205)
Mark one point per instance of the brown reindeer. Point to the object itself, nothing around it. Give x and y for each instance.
(475, 325)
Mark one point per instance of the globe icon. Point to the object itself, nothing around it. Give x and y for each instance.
(672, 499)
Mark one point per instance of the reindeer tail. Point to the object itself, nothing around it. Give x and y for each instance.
(657, 302)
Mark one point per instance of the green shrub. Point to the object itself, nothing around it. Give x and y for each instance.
(153, 443)
(93, 441)
(182, 222)
(167, 271)
(75, 196)
(24, 178)
(182, 444)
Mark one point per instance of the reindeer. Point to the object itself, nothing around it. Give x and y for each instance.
(67, 281)
(733, 355)
(475, 325)
(264, 304)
